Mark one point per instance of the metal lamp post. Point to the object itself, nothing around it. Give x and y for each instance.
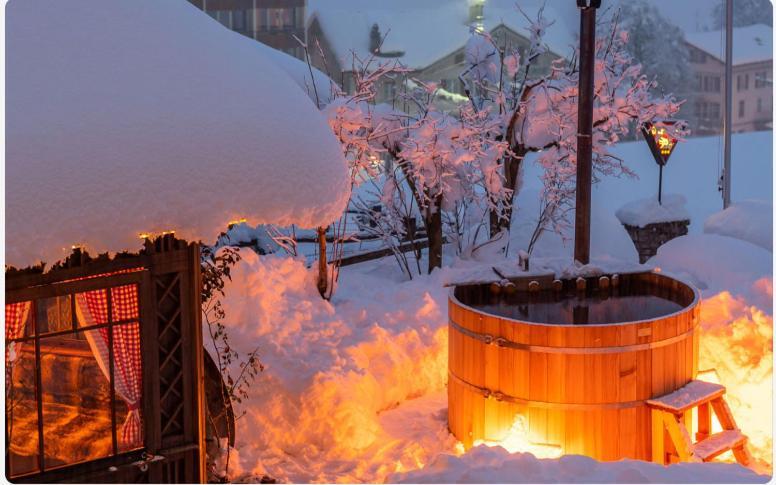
(585, 129)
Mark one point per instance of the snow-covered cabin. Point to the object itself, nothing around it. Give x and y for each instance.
(427, 37)
(126, 121)
(752, 79)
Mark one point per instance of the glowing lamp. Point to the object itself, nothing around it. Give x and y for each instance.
(661, 139)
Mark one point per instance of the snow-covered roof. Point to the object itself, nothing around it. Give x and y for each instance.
(144, 116)
(753, 43)
(426, 30)
(318, 85)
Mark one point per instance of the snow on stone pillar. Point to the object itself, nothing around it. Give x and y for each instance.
(651, 224)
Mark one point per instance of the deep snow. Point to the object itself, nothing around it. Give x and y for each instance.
(750, 220)
(642, 212)
(133, 117)
(354, 389)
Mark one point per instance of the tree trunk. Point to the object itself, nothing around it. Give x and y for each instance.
(433, 221)
(499, 222)
(323, 266)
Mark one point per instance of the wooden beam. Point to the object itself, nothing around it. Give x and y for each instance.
(704, 422)
(679, 436)
(658, 441)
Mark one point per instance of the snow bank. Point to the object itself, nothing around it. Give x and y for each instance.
(145, 116)
(495, 465)
(715, 263)
(642, 212)
(736, 349)
(609, 241)
(334, 370)
(749, 220)
(736, 280)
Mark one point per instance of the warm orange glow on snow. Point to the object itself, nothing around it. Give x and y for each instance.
(736, 351)
(517, 441)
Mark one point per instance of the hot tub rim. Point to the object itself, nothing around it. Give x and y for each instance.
(693, 304)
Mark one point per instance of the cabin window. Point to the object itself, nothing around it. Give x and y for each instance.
(73, 378)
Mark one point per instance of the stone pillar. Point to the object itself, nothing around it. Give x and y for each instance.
(650, 237)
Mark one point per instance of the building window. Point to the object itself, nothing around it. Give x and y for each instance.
(761, 79)
(280, 18)
(699, 82)
(759, 105)
(389, 90)
(83, 350)
(741, 109)
(239, 20)
(742, 82)
(223, 16)
(697, 56)
(711, 84)
(476, 12)
(714, 111)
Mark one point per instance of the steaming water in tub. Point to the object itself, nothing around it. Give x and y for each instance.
(571, 308)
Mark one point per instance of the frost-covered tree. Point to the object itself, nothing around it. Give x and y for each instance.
(443, 159)
(657, 44)
(540, 115)
(745, 12)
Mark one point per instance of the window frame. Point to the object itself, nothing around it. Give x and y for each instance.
(138, 276)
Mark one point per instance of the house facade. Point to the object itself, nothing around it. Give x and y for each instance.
(432, 55)
(752, 107)
(272, 22)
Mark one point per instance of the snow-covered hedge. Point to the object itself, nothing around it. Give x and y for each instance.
(145, 116)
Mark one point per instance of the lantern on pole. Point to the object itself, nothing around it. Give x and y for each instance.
(661, 136)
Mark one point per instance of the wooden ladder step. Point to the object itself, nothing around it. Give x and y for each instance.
(692, 395)
(718, 443)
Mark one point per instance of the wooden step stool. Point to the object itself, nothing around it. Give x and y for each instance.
(669, 429)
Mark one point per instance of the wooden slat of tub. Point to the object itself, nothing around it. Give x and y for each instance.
(477, 372)
(673, 367)
(556, 387)
(610, 393)
(492, 425)
(594, 337)
(508, 362)
(631, 374)
(658, 362)
(575, 392)
(537, 385)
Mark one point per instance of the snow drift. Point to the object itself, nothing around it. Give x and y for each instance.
(749, 220)
(496, 465)
(642, 212)
(144, 116)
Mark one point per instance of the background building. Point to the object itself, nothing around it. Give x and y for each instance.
(752, 78)
(432, 50)
(272, 22)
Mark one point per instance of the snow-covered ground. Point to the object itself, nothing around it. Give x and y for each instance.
(354, 390)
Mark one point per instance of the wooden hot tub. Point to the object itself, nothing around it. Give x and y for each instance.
(580, 387)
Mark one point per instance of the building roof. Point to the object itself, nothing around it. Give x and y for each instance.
(425, 30)
(753, 43)
(130, 117)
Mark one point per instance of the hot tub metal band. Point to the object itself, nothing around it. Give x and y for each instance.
(499, 396)
(502, 342)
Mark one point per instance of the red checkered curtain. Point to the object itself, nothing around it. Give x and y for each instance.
(128, 378)
(15, 318)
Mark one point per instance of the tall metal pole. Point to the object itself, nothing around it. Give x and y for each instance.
(585, 129)
(728, 126)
